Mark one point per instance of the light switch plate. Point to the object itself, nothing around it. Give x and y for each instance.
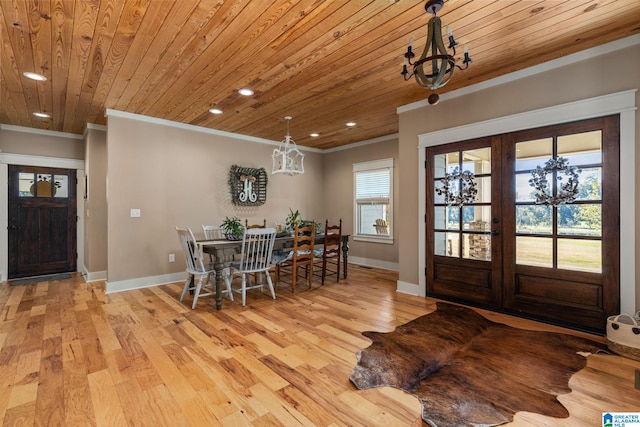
(135, 213)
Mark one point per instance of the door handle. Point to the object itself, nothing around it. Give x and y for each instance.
(494, 232)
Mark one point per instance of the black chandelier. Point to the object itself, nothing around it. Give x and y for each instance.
(435, 66)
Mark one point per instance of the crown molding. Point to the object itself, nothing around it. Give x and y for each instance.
(194, 128)
(41, 131)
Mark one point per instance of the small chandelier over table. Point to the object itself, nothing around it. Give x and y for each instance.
(435, 66)
(287, 158)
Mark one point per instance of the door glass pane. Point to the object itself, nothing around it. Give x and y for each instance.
(524, 192)
(581, 148)
(477, 246)
(483, 185)
(445, 217)
(446, 244)
(530, 154)
(454, 186)
(580, 255)
(444, 163)
(580, 220)
(535, 251)
(43, 186)
(25, 180)
(476, 217)
(477, 161)
(534, 219)
(61, 186)
(453, 160)
(590, 184)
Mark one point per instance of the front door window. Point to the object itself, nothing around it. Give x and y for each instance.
(569, 235)
(463, 231)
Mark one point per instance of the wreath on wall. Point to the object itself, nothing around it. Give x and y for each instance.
(566, 190)
(248, 186)
(466, 184)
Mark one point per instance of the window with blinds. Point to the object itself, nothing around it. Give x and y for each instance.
(373, 187)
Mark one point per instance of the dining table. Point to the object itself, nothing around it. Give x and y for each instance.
(221, 249)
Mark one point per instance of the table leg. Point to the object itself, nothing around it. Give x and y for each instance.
(345, 255)
(219, 266)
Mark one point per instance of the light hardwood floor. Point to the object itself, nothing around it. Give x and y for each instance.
(72, 356)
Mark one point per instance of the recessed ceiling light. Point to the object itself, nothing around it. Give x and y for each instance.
(34, 76)
(215, 111)
(246, 92)
(351, 124)
(43, 115)
(314, 134)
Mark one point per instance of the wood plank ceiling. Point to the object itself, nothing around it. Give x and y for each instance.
(324, 62)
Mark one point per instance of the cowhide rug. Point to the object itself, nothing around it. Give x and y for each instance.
(470, 371)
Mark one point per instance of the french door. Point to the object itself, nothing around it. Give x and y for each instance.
(529, 242)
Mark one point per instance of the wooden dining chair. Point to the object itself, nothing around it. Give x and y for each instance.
(300, 256)
(263, 225)
(257, 249)
(197, 269)
(329, 254)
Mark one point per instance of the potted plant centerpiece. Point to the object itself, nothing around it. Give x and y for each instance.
(233, 228)
(292, 219)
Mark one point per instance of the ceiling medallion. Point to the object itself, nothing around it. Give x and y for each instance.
(287, 159)
(435, 66)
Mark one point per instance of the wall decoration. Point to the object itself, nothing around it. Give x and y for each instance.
(566, 192)
(248, 186)
(463, 182)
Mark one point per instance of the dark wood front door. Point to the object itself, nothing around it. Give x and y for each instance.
(508, 250)
(564, 260)
(42, 221)
(463, 240)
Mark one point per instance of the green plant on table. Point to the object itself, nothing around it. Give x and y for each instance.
(292, 219)
(233, 228)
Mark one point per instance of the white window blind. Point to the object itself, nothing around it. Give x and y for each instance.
(373, 184)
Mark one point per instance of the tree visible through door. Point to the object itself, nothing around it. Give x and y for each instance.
(556, 260)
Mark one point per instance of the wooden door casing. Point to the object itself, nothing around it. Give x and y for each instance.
(42, 230)
(578, 299)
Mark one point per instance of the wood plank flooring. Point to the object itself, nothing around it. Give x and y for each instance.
(72, 356)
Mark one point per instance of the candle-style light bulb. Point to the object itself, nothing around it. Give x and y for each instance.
(449, 33)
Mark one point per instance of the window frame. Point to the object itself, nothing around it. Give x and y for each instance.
(382, 164)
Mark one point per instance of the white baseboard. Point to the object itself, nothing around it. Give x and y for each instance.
(94, 276)
(374, 263)
(144, 282)
(407, 288)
